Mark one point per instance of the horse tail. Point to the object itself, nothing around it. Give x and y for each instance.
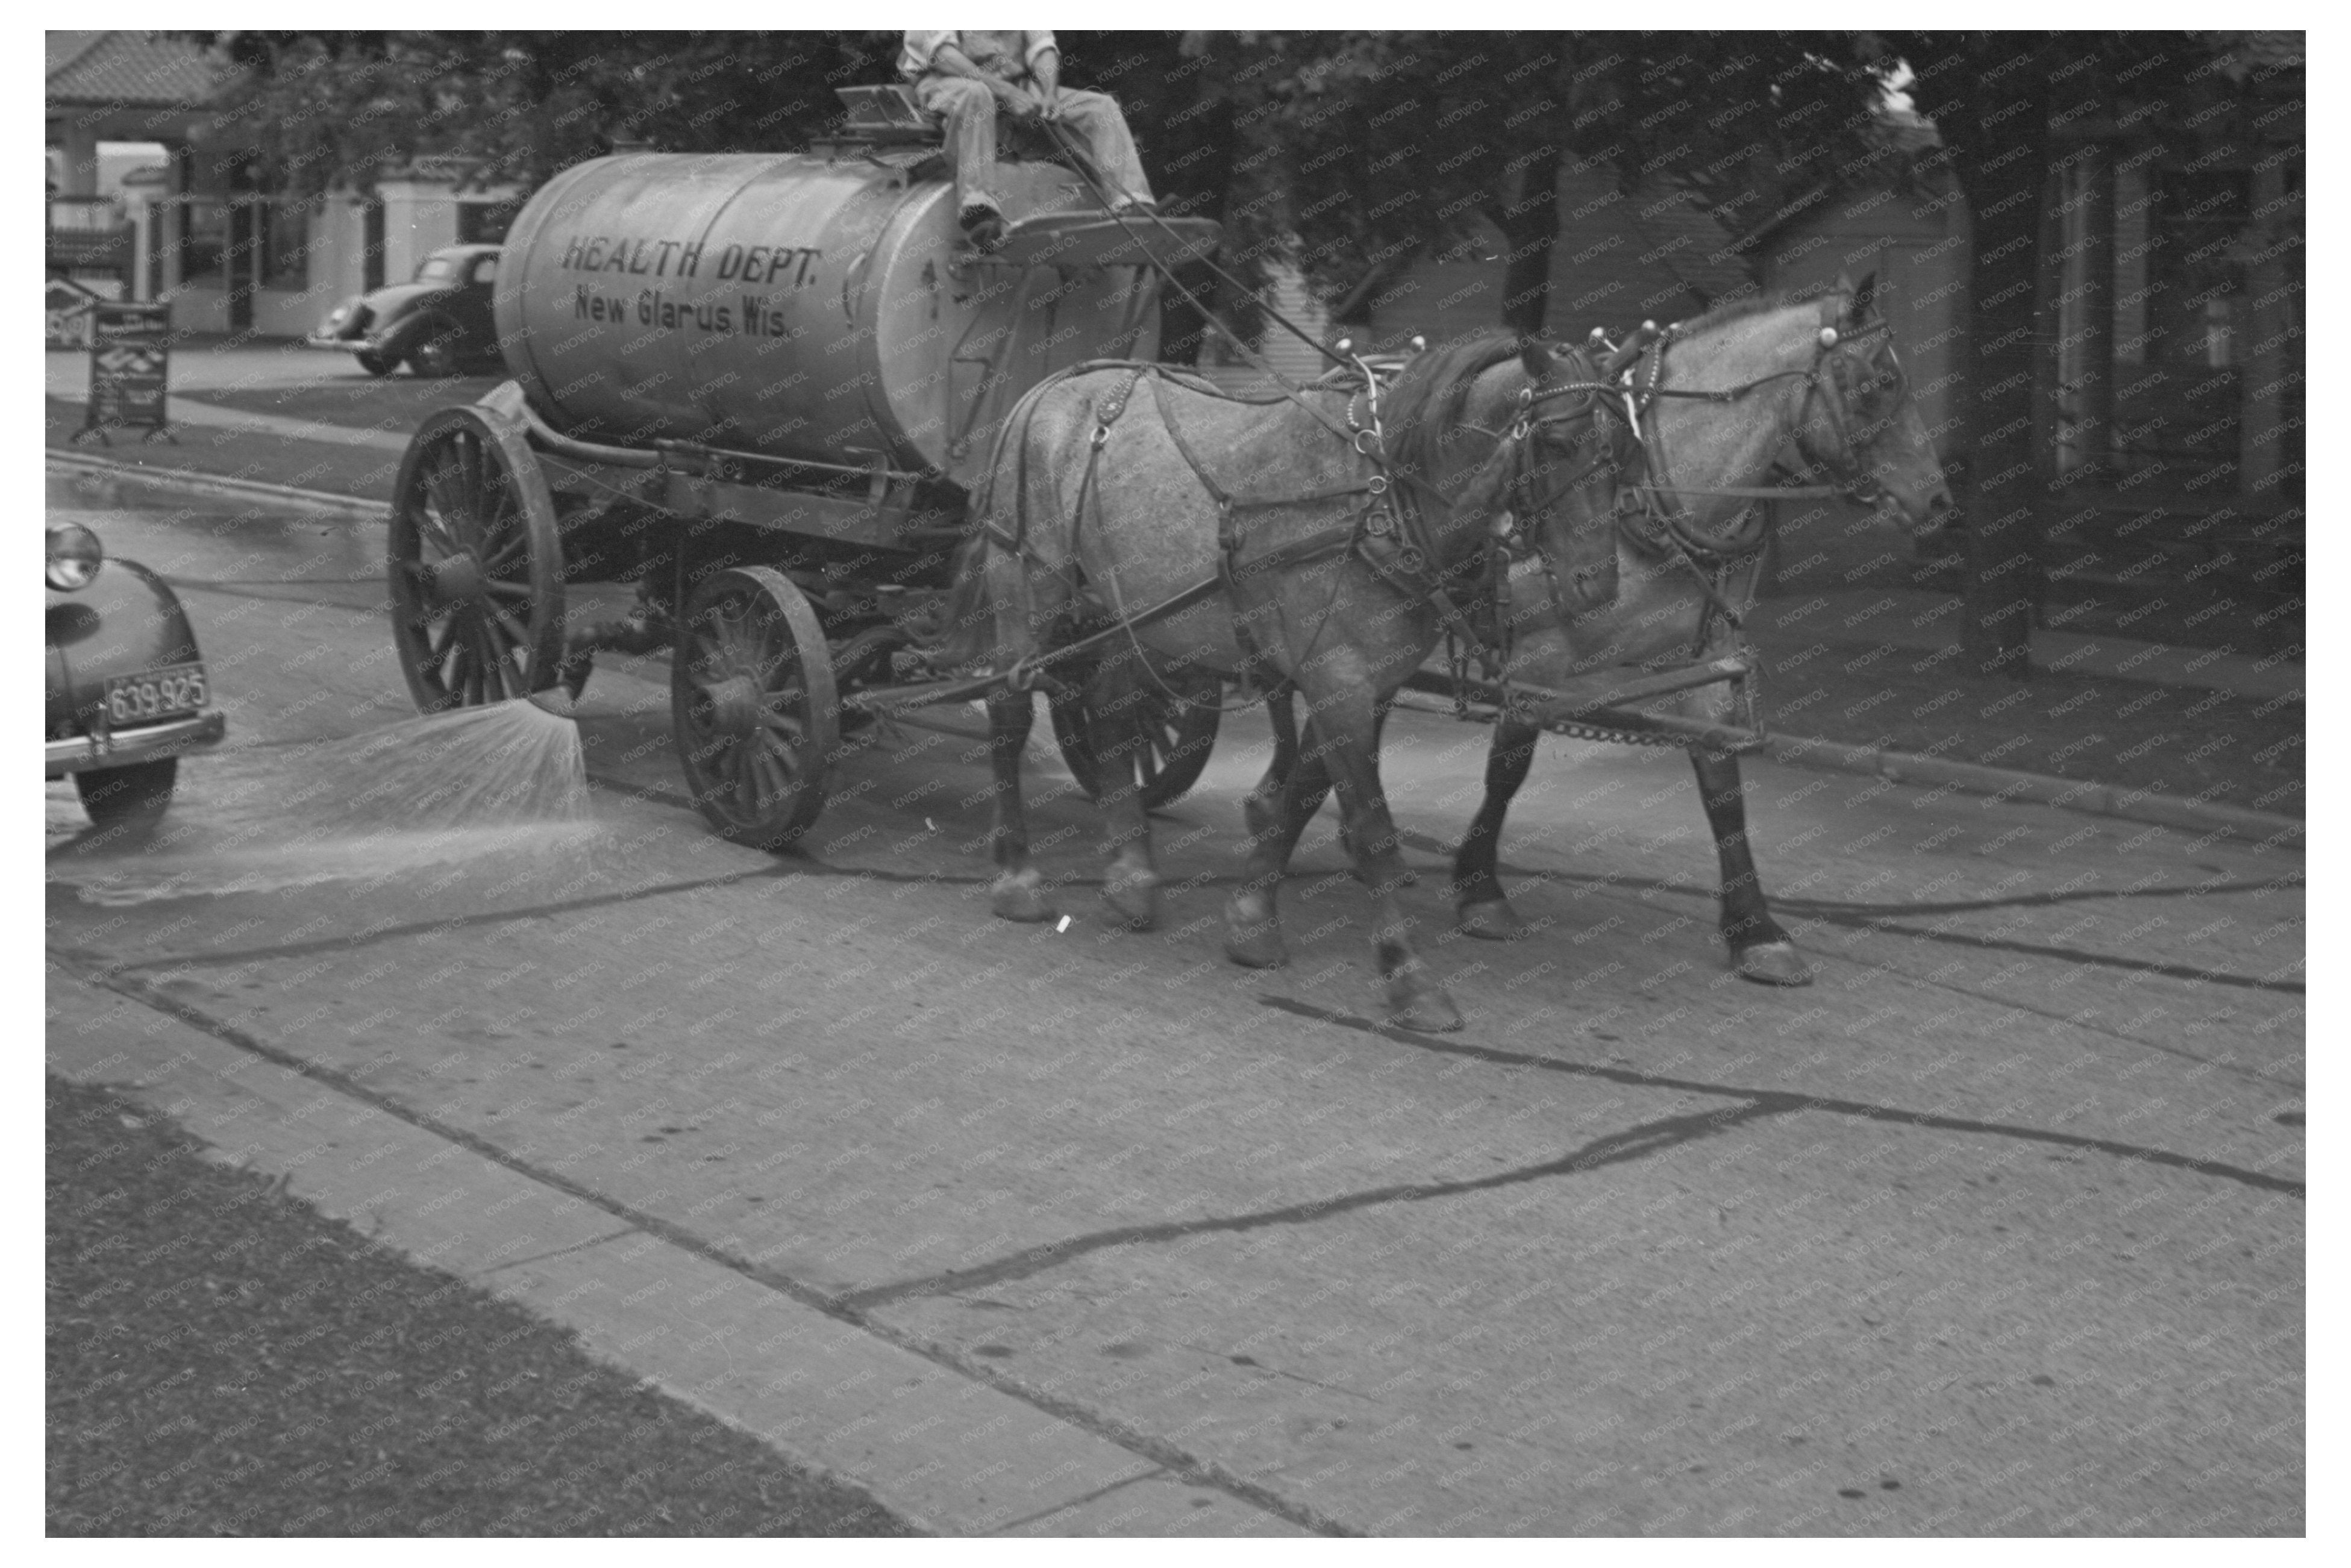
(968, 632)
(969, 623)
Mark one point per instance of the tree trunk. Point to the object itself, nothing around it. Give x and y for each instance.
(1530, 225)
(2094, 393)
(2001, 160)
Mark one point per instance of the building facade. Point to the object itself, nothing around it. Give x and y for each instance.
(153, 198)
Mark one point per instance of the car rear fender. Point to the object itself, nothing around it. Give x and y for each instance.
(128, 620)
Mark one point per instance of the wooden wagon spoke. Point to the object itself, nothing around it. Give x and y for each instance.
(432, 528)
(469, 463)
(517, 635)
(747, 793)
(505, 555)
(770, 771)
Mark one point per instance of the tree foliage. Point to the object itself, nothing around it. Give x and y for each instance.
(1347, 148)
(327, 109)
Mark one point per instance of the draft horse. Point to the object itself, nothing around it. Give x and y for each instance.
(1713, 403)
(1319, 543)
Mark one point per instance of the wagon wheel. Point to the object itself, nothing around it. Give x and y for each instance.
(752, 701)
(1178, 732)
(476, 565)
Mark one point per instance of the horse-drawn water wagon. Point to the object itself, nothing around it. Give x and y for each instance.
(779, 393)
(760, 385)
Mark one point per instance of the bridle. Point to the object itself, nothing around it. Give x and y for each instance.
(1822, 395)
(1654, 513)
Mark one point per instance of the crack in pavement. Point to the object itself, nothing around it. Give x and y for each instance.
(1614, 1148)
(1884, 926)
(1778, 1101)
(1619, 888)
(2071, 1021)
(1093, 1496)
(1192, 1468)
(559, 1251)
(1877, 917)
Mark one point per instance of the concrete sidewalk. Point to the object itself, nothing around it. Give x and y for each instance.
(1929, 623)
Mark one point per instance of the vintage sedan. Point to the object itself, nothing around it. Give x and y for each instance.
(437, 323)
(128, 694)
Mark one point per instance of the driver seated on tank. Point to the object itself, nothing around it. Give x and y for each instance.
(968, 78)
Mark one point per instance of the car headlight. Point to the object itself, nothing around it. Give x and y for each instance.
(74, 556)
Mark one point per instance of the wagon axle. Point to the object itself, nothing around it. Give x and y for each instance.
(452, 582)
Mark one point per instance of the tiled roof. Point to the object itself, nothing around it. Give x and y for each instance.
(63, 48)
(134, 69)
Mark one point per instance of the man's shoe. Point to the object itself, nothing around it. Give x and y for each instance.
(983, 228)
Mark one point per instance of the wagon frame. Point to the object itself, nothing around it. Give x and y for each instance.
(798, 594)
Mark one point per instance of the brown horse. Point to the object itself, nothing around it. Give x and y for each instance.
(1332, 561)
(1727, 392)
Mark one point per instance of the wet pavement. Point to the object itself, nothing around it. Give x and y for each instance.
(1996, 1228)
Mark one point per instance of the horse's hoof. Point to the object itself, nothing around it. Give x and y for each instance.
(1253, 941)
(1256, 946)
(1772, 964)
(1020, 897)
(1135, 896)
(1423, 1008)
(1494, 920)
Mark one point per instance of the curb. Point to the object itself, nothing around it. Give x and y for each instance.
(203, 484)
(944, 1447)
(2265, 829)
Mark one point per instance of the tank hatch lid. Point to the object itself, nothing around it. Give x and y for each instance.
(1095, 239)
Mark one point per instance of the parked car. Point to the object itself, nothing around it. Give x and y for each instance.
(127, 694)
(438, 323)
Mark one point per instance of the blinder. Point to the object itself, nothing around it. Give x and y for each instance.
(1857, 485)
(1590, 568)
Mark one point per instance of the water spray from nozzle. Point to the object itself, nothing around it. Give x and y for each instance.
(556, 701)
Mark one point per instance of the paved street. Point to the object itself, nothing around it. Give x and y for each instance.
(1996, 1228)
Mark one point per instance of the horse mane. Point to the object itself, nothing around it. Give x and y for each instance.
(1429, 397)
(1747, 304)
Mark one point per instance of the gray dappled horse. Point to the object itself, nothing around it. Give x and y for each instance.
(1738, 385)
(1116, 488)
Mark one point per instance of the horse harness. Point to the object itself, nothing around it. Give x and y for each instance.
(1390, 533)
(1649, 516)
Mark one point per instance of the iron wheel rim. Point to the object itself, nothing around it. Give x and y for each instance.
(758, 777)
(462, 508)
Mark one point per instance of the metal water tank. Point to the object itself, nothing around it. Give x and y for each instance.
(794, 304)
